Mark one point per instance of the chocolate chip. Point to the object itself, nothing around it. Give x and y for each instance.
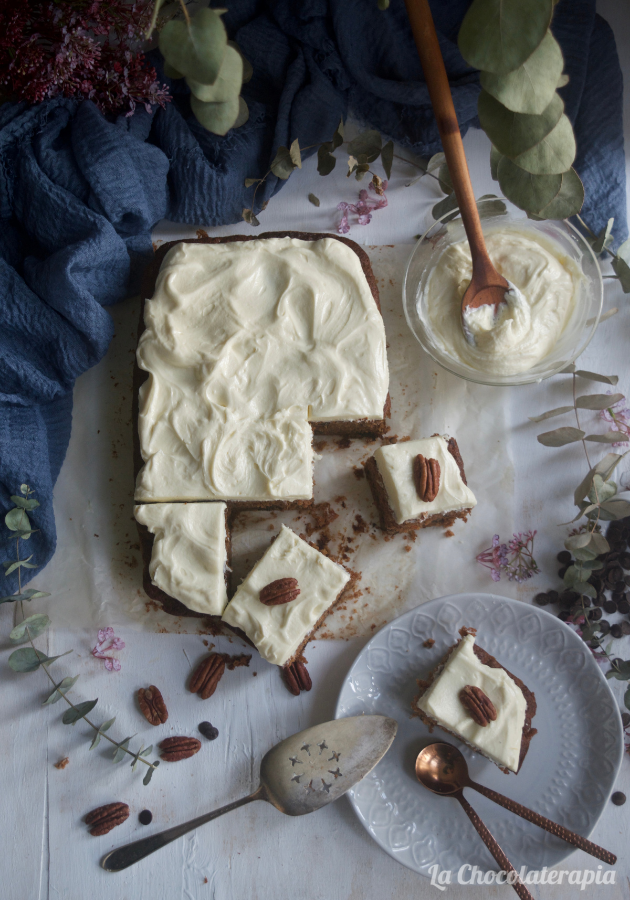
(553, 596)
(614, 575)
(610, 606)
(599, 600)
(564, 614)
(625, 719)
(618, 798)
(604, 626)
(145, 817)
(562, 572)
(541, 599)
(616, 631)
(595, 614)
(625, 627)
(565, 558)
(209, 731)
(624, 560)
(626, 579)
(624, 606)
(596, 581)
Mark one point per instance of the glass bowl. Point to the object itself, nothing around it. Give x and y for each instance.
(580, 327)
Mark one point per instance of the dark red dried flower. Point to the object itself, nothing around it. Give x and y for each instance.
(88, 49)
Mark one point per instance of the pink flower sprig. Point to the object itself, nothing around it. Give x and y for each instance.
(365, 207)
(108, 642)
(515, 559)
(619, 418)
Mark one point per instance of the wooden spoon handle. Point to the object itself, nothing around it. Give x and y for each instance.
(493, 847)
(559, 830)
(436, 78)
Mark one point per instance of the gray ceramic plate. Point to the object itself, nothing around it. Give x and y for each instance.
(568, 773)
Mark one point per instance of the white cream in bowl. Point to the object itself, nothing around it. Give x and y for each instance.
(528, 325)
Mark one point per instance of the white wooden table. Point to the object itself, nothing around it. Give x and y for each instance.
(254, 852)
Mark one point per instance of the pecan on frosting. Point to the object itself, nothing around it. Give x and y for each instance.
(426, 477)
(480, 707)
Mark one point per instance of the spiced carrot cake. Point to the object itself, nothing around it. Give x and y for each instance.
(473, 697)
(419, 484)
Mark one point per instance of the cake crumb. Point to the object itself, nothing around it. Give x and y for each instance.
(449, 533)
(360, 526)
(235, 662)
(202, 234)
(322, 514)
(62, 763)
(318, 446)
(359, 472)
(344, 443)
(429, 642)
(407, 548)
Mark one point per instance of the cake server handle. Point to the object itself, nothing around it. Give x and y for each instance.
(493, 846)
(559, 830)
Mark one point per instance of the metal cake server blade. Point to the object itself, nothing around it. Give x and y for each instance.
(299, 775)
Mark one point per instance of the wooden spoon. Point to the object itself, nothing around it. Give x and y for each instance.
(487, 287)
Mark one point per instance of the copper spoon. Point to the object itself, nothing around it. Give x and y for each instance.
(487, 287)
(442, 768)
(435, 769)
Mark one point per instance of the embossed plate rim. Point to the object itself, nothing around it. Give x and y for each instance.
(347, 697)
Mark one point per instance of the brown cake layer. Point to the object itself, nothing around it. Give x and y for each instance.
(488, 660)
(386, 514)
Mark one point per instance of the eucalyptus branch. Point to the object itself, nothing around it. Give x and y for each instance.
(30, 659)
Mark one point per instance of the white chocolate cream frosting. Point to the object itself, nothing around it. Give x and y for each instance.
(189, 554)
(528, 325)
(500, 740)
(395, 465)
(245, 343)
(278, 631)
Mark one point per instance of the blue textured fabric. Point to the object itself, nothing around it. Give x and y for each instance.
(79, 193)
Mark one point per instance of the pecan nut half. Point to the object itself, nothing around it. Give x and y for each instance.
(296, 677)
(426, 477)
(207, 675)
(479, 705)
(152, 705)
(104, 818)
(283, 590)
(176, 748)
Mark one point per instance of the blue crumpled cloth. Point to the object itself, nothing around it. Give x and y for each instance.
(79, 193)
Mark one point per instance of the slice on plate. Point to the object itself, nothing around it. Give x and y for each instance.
(285, 597)
(419, 484)
(472, 696)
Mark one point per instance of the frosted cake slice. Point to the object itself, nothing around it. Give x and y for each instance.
(471, 696)
(285, 597)
(419, 484)
(189, 555)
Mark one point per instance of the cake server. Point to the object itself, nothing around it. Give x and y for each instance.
(442, 768)
(297, 776)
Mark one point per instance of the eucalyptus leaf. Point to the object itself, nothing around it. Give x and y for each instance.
(513, 133)
(558, 411)
(495, 208)
(594, 376)
(227, 84)
(337, 138)
(617, 508)
(26, 660)
(249, 217)
(326, 162)
(248, 69)
(562, 81)
(25, 504)
(78, 711)
(17, 520)
(529, 88)
(197, 49)
(171, 72)
(18, 564)
(622, 271)
(387, 157)
(609, 437)
(29, 628)
(444, 177)
(448, 204)
(283, 164)
(156, 8)
(360, 171)
(243, 113)
(601, 490)
(560, 436)
(626, 699)
(314, 200)
(495, 159)
(367, 144)
(599, 543)
(25, 489)
(571, 576)
(554, 154)
(149, 775)
(584, 555)
(499, 35)
(624, 251)
(217, 118)
(250, 181)
(121, 748)
(62, 688)
(583, 587)
(527, 191)
(598, 401)
(569, 199)
(576, 541)
(604, 238)
(294, 152)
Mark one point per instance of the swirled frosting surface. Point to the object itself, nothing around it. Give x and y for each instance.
(245, 343)
(527, 326)
(189, 555)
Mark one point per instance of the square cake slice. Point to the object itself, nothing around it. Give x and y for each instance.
(189, 557)
(471, 696)
(282, 629)
(419, 484)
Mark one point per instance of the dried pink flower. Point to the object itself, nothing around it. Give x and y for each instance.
(619, 418)
(106, 643)
(515, 558)
(364, 208)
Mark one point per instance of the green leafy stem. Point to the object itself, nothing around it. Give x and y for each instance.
(29, 659)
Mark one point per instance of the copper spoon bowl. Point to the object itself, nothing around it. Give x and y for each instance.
(442, 769)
